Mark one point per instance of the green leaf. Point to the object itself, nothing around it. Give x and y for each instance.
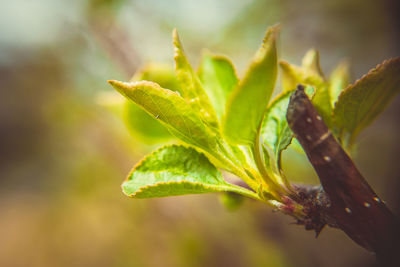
(142, 125)
(322, 103)
(267, 158)
(360, 103)
(338, 80)
(174, 171)
(293, 75)
(192, 89)
(239, 155)
(163, 74)
(311, 62)
(322, 99)
(309, 73)
(171, 110)
(247, 104)
(218, 78)
(275, 130)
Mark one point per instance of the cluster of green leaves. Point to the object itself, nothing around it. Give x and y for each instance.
(231, 123)
(346, 109)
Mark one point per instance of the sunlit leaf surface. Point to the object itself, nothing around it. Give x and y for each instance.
(173, 171)
(171, 109)
(248, 102)
(191, 87)
(218, 77)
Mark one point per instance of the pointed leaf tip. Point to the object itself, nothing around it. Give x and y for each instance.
(112, 82)
(170, 109)
(121, 87)
(126, 87)
(116, 83)
(174, 32)
(192, 89)
(248, 102)
(176, 41)
(272, 32)
(311, 62)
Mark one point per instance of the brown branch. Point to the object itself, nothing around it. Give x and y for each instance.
(353, 205)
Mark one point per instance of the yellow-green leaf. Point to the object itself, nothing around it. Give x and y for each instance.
(360, 103)
(171, 110)
(174, 171)
(322, 102)
(163, 74)
(293, 75)
(142, 125)
(339, 79)
(247, 103)
(311, 62)
(191, 87)
(309, 73)
(275, 131)
(218, 77)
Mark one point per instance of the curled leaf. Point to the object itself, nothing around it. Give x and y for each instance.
(275, 131)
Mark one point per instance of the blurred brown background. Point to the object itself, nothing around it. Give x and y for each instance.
(63, 156)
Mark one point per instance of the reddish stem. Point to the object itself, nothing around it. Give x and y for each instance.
(354, 206)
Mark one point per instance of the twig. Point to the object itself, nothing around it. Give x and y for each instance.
(354, 206)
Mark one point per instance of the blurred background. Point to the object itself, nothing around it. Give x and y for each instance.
(63, 155)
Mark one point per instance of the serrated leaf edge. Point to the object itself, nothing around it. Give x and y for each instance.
(216, 188)
(228, 187)
(370, 72)
(348, 89)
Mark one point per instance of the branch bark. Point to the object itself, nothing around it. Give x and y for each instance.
(353, 205)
